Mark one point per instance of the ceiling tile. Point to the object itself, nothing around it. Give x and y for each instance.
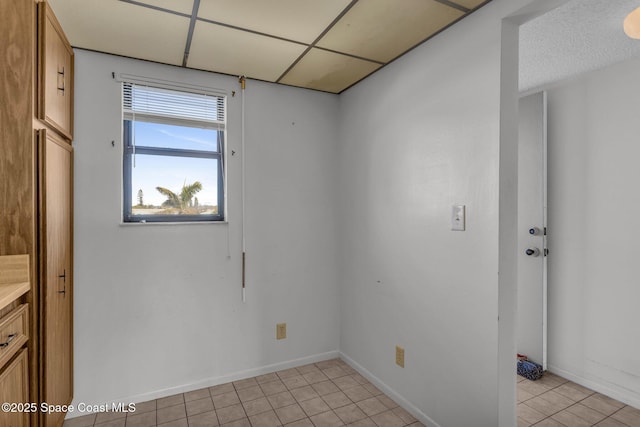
(328, 71)
(121, 28)
(469, 4)
(182, 6)
(225, 50)
(382, 29)
(299, 20)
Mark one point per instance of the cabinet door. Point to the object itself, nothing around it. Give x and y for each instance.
(55, 103)
(56, 280)
(14, 388)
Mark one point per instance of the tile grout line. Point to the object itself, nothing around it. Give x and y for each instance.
(573, 404)
(289, 390)
(350, 373)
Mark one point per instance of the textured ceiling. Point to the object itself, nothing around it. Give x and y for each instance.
(326, 45)
(577, 37)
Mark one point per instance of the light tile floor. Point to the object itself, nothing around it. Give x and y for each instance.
(324, 394)
(553, 401)
(331, 393)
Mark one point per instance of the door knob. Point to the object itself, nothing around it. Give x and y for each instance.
(535, 231)
(532, 252)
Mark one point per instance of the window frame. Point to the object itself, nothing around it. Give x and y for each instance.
(130, 150)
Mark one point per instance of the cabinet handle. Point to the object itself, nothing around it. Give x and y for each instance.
(61, 80)
(63, 276)
(9, 339)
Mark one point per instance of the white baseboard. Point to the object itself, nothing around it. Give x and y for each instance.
(404, 403)
(213, 381)
(625, 396)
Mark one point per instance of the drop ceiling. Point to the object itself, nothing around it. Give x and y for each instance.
(326, 45)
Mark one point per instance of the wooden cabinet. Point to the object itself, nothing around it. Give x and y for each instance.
(36, 210)
(14, 332)
(14, 335)
(14, 388)
(55, 100)
(56, 271)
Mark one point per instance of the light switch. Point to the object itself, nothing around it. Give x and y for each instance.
(458, 218)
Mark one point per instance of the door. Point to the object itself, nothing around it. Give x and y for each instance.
(56, 218)
(532, 281)
(56, 73)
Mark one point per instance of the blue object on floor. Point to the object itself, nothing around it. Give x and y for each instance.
(530, 370)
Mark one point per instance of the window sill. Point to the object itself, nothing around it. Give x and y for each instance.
(146, 224)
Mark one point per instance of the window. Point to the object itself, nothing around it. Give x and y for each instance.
(173, 155)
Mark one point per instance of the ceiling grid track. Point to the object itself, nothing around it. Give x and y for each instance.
(445, 2)
(159, 9)
(247, 30)
(328, 48)
(284, 39)
(350, 55)
(454, 5)
(322, 34)
(192, 25)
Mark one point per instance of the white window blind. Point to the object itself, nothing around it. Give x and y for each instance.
(161, 105)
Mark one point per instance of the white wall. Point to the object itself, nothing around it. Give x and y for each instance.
(417, 137)
(395, 151)
(158, 307)
(593, 207)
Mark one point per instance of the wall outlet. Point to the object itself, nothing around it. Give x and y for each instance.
(400, 356)
(281, 331)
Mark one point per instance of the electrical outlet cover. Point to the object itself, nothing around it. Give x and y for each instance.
(400, 356)
(281, 331)
(458, 219)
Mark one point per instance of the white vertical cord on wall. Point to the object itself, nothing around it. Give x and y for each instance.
(242, 80)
